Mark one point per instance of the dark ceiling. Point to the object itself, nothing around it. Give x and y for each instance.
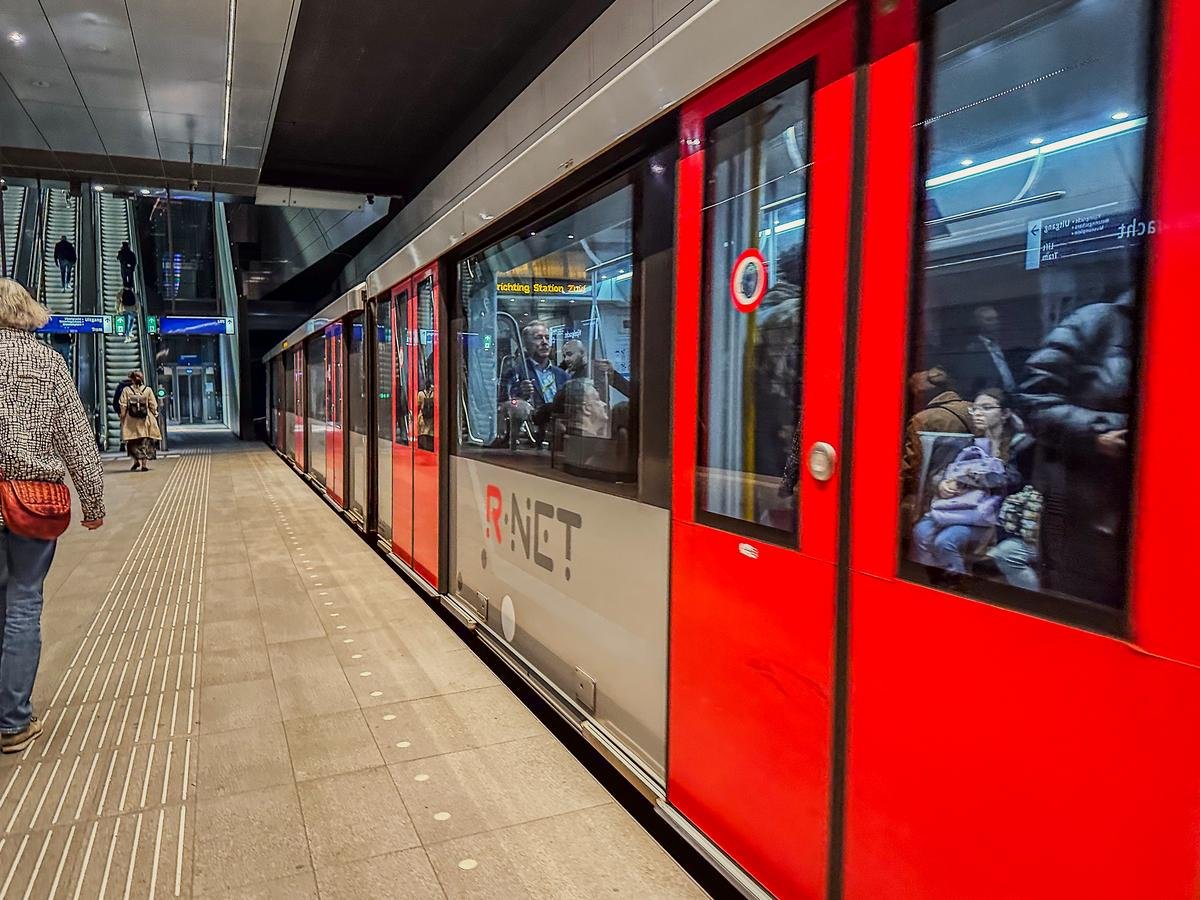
(379, 96)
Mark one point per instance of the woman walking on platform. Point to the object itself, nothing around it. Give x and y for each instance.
(44, 434)
(139, 422)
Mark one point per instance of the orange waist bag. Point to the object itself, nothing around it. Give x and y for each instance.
(35, 509)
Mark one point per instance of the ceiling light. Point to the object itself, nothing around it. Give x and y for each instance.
(228, 81)
(16, 39)
(570, 237)
(487, 217)
(1120, 115)
(968, 162)
(40, 83)
(532, 233)
(145, 192)
(1037, 141)
(97, 187)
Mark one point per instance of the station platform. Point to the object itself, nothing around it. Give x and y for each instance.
(241, 699)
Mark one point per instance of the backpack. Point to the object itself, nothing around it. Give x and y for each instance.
(137, 405)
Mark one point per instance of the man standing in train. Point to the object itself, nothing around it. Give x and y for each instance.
(539, 380)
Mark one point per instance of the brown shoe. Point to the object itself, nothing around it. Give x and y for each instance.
(18, 741)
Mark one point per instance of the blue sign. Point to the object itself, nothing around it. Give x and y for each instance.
(78, 325)
(195, 325)
(188, 360)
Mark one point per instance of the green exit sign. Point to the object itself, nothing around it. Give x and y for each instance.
(152, 324)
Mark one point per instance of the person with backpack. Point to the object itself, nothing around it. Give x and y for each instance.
(139, 422)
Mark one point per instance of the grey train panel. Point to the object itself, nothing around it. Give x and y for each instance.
(576, 581)
(358, 472)
(384, 487)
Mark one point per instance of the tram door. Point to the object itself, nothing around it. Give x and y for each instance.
(385, 412)
(765, 178)
(415, 521)
(334, 415)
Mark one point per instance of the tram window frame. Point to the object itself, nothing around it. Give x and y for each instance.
(805, 72)
(1055, 607)
(650, 235)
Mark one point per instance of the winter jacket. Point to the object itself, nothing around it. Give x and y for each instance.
(1077, 385)
(975, 507)
(947, 412)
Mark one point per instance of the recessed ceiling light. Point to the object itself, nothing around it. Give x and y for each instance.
(40, 83)
(570, 237)
(1120, 115)
(532, 233)
(16, 39)
(968, 162)
(97, 187)
(145, 191)
(487, 217)
(97, 48)
(1037, 141)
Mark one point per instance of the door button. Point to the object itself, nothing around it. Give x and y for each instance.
(822, 460)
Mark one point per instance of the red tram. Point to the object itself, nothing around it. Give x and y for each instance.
(823, 461)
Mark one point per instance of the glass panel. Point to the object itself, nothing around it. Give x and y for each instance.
(750, 362)
(546, 349)
(314, 355)
(426, 337)
(1017, 455)
(356, 387)
(384, 378)
(403, 414)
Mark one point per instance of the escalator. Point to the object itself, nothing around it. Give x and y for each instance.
(14, 206)
(120, 356)
(62, 219)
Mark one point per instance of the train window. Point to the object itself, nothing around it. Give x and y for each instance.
(426, 336)
(403, 424)
(314, 361)
(752, 315)
(383, 362)
(1017, 453)
(547, 343)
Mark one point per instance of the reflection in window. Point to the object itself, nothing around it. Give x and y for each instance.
(1017, 453)
(754, 219)
(314, 361)
(403, 416)
(546, 344)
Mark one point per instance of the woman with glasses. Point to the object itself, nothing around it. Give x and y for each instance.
(961, 521)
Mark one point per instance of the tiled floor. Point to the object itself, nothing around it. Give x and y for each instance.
(242, 700)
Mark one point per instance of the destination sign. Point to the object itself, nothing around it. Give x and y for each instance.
(78, 325)
(542, 287)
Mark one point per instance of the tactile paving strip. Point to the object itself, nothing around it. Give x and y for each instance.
(98, 806)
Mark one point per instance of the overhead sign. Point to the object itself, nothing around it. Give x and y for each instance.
(190, 359)
(1082, 233)
(195, 325)
(748, 282)
(78, 325)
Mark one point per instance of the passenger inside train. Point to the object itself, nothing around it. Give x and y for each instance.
(1026, 312)
(548, 352)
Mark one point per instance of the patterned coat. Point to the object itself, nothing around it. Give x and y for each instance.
(44, 431)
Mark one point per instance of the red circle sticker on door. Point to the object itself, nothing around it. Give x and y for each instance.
(748, 283)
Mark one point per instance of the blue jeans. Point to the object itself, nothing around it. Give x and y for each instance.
(1016, 560)
(24, 563)
(934, 545)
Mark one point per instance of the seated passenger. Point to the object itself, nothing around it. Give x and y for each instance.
(999, 440)
(939, 409)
